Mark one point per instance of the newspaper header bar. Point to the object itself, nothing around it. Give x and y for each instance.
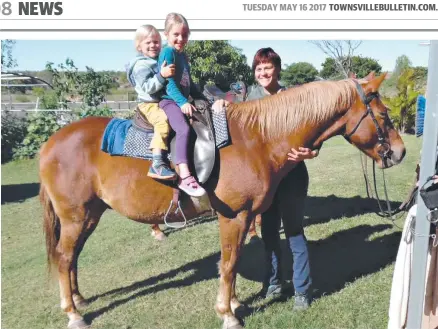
(221, 15)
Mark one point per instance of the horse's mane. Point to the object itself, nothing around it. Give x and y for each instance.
(277, 115)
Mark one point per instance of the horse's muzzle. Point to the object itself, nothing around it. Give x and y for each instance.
(393, 158)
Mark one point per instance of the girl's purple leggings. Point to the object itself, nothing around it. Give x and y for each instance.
(179, 124)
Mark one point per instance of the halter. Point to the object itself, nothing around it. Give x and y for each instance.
(384, 149)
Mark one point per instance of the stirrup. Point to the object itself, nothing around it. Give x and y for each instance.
(175, 213)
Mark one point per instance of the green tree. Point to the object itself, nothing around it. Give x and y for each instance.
(361, 66)
(47, 98)
(401, 64)
(402, 106)
(67, 81)
(420, 77)
(123, 79)
(7, 59)
(217, 62)
(329, 69)
(298, 74)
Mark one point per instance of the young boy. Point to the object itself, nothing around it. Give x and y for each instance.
(149, 80)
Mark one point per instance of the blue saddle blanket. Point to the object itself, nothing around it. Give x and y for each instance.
(122, 138)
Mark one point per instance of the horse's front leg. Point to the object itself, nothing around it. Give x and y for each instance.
(232, 235)
(157, 233)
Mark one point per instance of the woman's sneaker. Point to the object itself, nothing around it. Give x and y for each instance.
(302, 301)
(191, 186)
(274, 291)
(160, 170)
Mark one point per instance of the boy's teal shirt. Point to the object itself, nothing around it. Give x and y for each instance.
(181, 85)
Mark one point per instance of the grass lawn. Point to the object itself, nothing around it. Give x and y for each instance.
(133, 281)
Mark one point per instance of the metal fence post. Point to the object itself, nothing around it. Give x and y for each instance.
(422, 226)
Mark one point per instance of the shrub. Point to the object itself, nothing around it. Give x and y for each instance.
(96, 112)
(13, 132)
(41, 126)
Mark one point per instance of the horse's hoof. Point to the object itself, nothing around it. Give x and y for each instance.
(81, 303)
(78, 324)
(231, 323)
(235, 304)
(160, 236)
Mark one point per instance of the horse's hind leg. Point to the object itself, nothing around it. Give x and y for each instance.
(72, 227)
(93, 217)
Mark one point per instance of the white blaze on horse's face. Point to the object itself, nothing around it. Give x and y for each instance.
(266, 74)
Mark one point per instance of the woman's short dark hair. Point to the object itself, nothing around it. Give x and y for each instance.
(265, 55)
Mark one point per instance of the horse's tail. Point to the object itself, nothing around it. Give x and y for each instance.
(51, 227)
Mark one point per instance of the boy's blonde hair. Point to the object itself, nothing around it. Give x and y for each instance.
(143, 32)
(174, 19)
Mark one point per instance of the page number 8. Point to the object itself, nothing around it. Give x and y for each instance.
(6, 8)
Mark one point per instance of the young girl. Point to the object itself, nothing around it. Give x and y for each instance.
(149, 80)
(175, 102)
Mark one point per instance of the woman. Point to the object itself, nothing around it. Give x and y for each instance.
(288, 203)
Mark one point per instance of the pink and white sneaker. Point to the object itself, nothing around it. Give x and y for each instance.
(191, 186)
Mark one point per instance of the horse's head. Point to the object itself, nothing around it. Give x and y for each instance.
(368, 126)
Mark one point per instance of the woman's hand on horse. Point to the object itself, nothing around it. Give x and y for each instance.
(301, 154)
(167, 71)
(188, 109)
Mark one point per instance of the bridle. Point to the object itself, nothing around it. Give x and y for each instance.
(384, 149)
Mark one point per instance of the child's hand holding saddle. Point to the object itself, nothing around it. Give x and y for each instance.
(188, 109)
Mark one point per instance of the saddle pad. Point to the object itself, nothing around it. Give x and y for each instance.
(137, 143)
(220, 125)
(122, 138)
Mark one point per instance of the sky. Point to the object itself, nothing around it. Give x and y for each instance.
(114, 54)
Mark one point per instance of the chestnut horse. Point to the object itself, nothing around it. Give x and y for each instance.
(79, 181)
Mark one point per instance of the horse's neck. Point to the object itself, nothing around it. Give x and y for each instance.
(274, 151)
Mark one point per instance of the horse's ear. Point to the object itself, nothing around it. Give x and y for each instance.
(375, 83)
(370, 76)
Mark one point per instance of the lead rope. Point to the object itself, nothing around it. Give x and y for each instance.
(389, 213)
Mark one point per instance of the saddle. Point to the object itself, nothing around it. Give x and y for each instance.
(203, 147)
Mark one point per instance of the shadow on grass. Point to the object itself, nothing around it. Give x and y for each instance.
(335, 261)
(318, 210)
(323, 209)
(19, 192)
(190, 223)
(202, 269)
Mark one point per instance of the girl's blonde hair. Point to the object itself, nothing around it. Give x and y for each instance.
(174, 19)
(143, 32)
